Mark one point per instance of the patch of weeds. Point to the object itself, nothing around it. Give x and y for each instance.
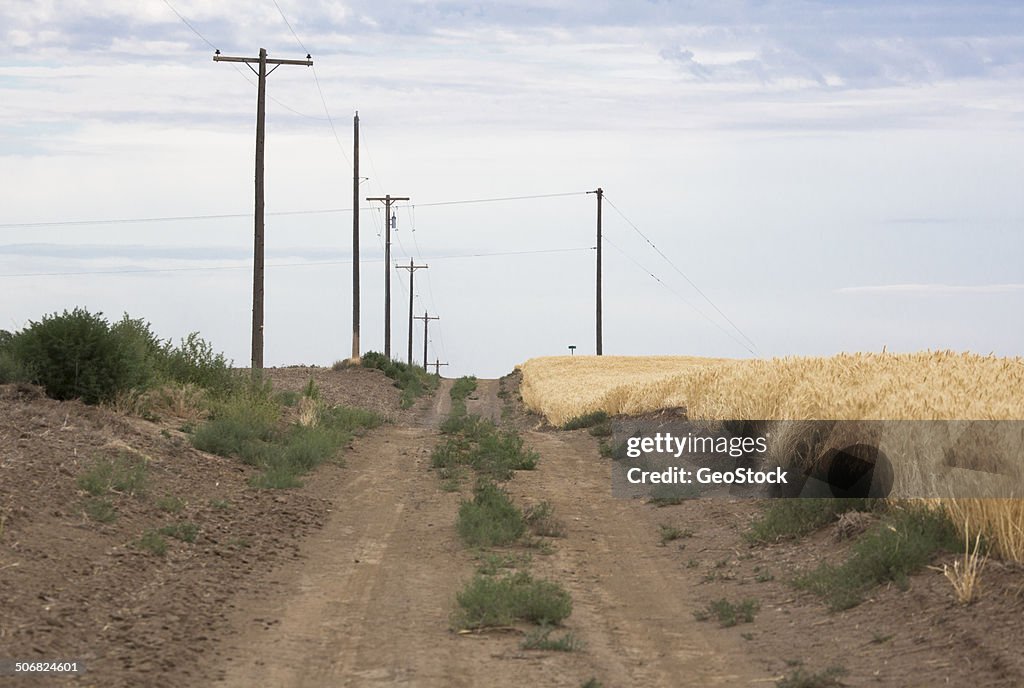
(170, 504)
(165, 433)
(763, 575)
(152, 541)
(123, 474)
(729, 613)
(587, 420)
(747, 636)
(541, 545)
(791, 518)
(490, 518)
(311, 391)
(540, 639)
(288, 397)
(463, 387)
(184, 531)
(603, 429)
(220, 504)
(412, 380)
(541, 520)
(671, 533)
(592, 683)
(100, 510)
(904, 541)
(880, 639)
(493, 601)
(240, 543)
(605, 450)
(829, 678)
(692, 564)
(673, 495)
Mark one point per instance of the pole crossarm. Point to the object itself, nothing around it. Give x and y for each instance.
(270, 61)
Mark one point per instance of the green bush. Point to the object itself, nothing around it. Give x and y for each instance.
(492, 601)
(412, 380)
(906, 540)
(490, 518)
(123, 474)
(790, 518)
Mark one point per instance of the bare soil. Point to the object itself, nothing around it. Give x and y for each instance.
(351, 579)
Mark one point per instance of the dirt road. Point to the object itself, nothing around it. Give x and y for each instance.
(368, 602)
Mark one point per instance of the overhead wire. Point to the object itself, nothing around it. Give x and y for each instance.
(683, 274)
(677, 294)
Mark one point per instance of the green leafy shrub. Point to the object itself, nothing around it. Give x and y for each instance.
(490, 518)
(493, 601)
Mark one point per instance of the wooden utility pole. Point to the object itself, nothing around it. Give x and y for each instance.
(412, 268)
(355, 237)
(426, 321)
(600, 197)
(388, 200)
(261, 111)
(437, 367)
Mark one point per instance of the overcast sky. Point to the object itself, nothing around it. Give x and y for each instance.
(831, 176)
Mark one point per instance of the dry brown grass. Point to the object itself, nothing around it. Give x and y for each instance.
(939, 385)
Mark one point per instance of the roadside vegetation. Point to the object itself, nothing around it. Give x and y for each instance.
(412, 380)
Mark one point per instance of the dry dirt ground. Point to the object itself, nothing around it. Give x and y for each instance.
(351, 580)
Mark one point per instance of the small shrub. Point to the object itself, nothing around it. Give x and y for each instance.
(171, 504)
(220, 504)
(672, 533)
(184, 531)
(491, 601)
(541, 520)
(728, 613)
(490, 518)
(153, 542)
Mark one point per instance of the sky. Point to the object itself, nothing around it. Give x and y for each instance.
(780, 178)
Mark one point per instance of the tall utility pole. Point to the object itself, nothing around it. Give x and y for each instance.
(388, 200)
(412, 268)
(437, 367)
(261, 111)
(600, 197)
(426, 321)
(355, 237)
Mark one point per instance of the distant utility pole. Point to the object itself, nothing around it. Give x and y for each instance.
(355, 237)
(412, 268)
(437, 367)
(261, 111)
(426, 321)
(388, 200)
(600, 197)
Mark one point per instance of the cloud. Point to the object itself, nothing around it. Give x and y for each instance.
(934, 289)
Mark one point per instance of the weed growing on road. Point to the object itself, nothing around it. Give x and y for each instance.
(542, 521)
(170, 504)
(671, 533)
(412, 380)
(100, 510)
(540, 639)
(492, 601)
(490, 518)
(729, 613)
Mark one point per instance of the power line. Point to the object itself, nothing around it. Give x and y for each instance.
(678, 295)
(290, 265)
(684, 275)
(224, 216)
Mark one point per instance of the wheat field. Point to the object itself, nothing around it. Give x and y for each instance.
(932, 385)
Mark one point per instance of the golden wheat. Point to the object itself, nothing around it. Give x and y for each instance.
(932, 385)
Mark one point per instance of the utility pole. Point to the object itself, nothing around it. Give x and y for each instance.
(600, 197)
(426, 321)
(437, 367)
(388, 200)
(412, 268)
(355, 237)
(261, 111)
